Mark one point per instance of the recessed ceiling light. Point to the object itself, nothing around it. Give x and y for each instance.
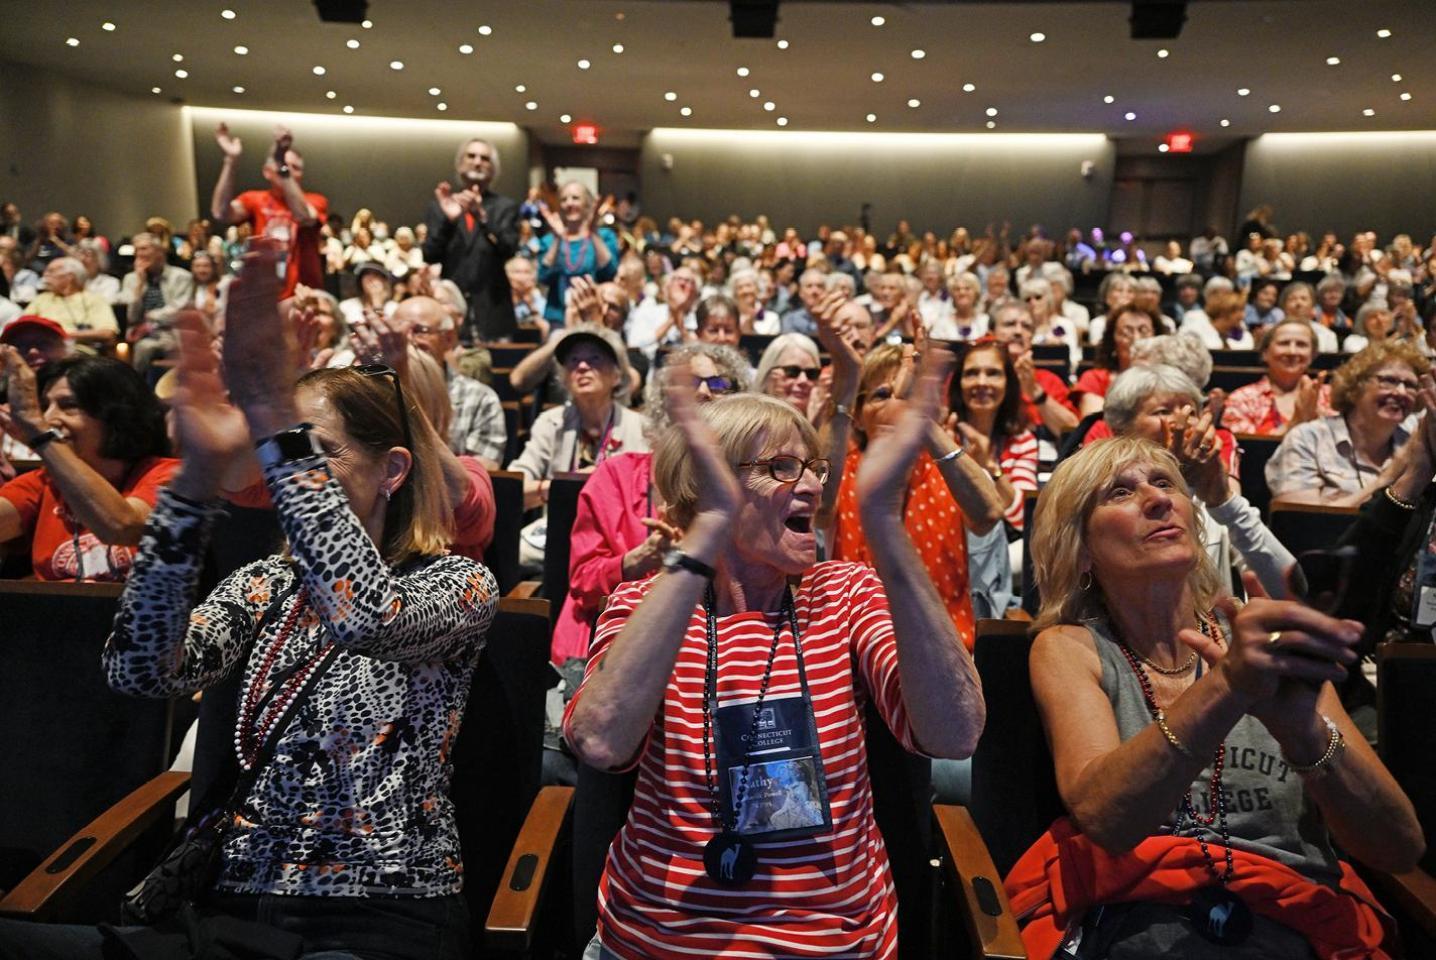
(877, 78)
(154, 89)
(330, 94)
(367, 24)
(914, 103)
(107, 26)
(1368, 112)
(1226, 123)
(441, 105)
(1274, 108)
(686, 111)
(670, 96)
(755, 93)
(769, 105)
(319, 71)
(238, 89)
(782, 121)
(465, 49)
(742, 71)
(352, 44)
(878, 21)
(783, 45)
(72, 41)
(618, 15)
(1243, 91)
(1162, 148)
(182, 74)
(1109, 99)
(520, 88)
(348, 109)
(969, 88)
(241, 50)
(1333, 61)
(178, 58)
(564, 118)
(485, 30)
(872, 118)
(434, 91)
(1037, 37)
(1163, 53)
(618, 48)
(531, 105)
(992, 111)
(584, 64)
(919, 54)
(227, 14)
(992, 124)
(1396, 78)
(1383, 33)
(396, 64)
(1130, 116)
(1406, 96)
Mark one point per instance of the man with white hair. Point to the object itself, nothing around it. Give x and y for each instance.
(155, 293)
(472, 233)
(478, 426)
(1195, 319)
(86, 317)
(654, 322)
(812, 287)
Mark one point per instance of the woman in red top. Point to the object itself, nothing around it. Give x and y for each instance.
(100, 435)
(780, 857)
(990, 418)
(1114, 354)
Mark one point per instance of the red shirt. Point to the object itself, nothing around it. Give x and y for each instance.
(474, 515)
(1095, 381)
(271, 218)
(1052, 385)
(63, 549)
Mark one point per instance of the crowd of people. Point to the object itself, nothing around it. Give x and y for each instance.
(810, 465)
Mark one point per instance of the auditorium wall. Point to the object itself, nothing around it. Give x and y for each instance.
(934, 180)
(388, 165)
(72, 147)
(1345, 181)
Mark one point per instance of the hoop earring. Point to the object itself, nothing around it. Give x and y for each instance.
(1084, 587)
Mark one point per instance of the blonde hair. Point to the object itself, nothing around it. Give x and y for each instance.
(431, 393)
(1059, 529)
(748, 425)
(1352, 375)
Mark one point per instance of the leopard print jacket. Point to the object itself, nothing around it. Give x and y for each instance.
(354, 800)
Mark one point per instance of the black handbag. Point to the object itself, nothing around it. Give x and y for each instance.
(189, 867)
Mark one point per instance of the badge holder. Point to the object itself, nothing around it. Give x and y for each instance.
(1423, 589)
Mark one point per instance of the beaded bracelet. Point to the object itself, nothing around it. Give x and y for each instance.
(1172, 737)
(1335, 742)
(1403, 504)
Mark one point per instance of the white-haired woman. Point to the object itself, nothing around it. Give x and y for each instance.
(86, 317)
(1049, 326)
(1116, 291)
(1200, 749)
(788, 370)
(577, 245)
(683, 665)
(965, 322)
(753, 317)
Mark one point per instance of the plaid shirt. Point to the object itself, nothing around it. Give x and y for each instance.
(478, 428)
(1252, 408)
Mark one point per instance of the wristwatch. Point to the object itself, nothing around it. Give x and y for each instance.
(675, 560)
(1040, 398)
(43, 439)
(288, 446)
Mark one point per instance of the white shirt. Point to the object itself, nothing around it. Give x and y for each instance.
(643, 323)
(1325, 338)
(9, 310)
(105, 286)
(767, 324)
(935, 308)
(1176, 265)
(949, 329)
(1198, 324)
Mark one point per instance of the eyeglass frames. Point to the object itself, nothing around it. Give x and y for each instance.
(789, 469)
(384, 370)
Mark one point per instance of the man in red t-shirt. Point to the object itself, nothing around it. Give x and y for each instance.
(1043, 392)
(284, 212)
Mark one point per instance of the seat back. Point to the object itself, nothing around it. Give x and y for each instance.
(1406, 728)
(1309, 526)
(1256, 451)
(243, 535)
(502, 555)
(1230, 378)
(1014, 789)
(1054, 357)
(563, 494)
(1031, 600)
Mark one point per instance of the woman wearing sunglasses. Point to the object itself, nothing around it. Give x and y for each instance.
(344, 841)
(693, 668)
(788, 370)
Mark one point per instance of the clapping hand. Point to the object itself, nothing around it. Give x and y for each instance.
(584, 305)
(257, 354)
(1197, 448)
(554, 221)
(21, 417)
(229, 144)
(882, 476)
(448, 203)
(648, 555)
(212, 433)
(1308, 395)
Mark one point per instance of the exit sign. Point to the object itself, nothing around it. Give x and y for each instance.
(586, 133)
(1179, 141)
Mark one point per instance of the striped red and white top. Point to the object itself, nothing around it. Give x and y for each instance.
(1018, 459)
(830, 895)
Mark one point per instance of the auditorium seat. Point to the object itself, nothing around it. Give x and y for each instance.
(1255, 452)
(1056, 358)
(563, 494)
(1309, 526)
(502, 556)
(1230, 378)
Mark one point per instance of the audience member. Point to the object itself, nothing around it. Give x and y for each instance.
(1220, 324)
(812, 286)
(528, 302)
(1373, 324)
(966, 323)
(989, 420)
(155, 293)
(477, 427)
(209, 284)
(788, 370)
(374, 296)
(716, 320)
(1116, 291)
(577, 245)
(1262, 309)
(1044, 394)
(86, 317)
(1298, 302)
(656, 321)
(21, 283)
(1330, 292)
(1286, 396)
(1114, 354)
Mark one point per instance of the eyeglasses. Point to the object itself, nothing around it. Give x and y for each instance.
(788, 469)
(384, 370)
(1387, 382)
(715, 384)
(792, 371)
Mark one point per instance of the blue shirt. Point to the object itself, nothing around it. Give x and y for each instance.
(576, 258)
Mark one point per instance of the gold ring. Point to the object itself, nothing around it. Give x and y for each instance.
(1274, 639)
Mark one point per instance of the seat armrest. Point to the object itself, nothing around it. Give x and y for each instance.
(45, 891)
(985, 910)
(510, 924)
(524, 590)
(1412, 895)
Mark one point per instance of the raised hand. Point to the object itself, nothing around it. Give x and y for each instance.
(1308, 393)
(1026, 374)
(882, 476)
(256, 354)
(212, 432)
(229, 144)
(1197, 448)
(648, 555)
(393, 341)
(22, 416)
(283, 140)
(600, 213)
(977, 444)
(554, 221)
(583, 301)
(1216, 403)
(715, 482)
(448, 203)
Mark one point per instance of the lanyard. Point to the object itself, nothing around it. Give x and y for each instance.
(601, 453)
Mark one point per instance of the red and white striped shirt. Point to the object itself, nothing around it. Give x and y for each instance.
(829, 895)
(1018, 459)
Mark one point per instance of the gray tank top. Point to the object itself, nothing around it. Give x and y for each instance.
(1268, 812)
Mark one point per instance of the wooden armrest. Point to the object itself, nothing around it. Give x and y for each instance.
(510, 924)
(986, 912)
(524, 590)
(1412, 895)
(44, 892)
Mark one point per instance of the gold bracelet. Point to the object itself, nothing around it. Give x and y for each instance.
(1334, 744)
(1172, 737)
(1403, 504)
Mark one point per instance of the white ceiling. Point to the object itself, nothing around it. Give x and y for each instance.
(823, 81)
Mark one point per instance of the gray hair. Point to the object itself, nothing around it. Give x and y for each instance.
(1332, 281)
(1181, 350)
(769, 361)
(1054, 272)
(1150, 284)
(1367, 309)
(813, 272)
(75, 268)
(1113, 279)
(1135, 385)
(101, 257)
(1035, 286)
(1215, 284)
(741, 273)
(146, 237)
(838, 279)
(968, 279)
(493, 152)
(448, 293)
(730, 364)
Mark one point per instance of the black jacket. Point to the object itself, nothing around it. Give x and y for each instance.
(475, 261)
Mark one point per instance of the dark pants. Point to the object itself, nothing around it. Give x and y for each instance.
(332, 928)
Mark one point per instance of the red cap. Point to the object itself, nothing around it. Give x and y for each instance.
(31, 320)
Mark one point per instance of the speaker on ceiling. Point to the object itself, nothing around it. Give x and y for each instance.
(753, 18)
(342, 11)
(1157, 19)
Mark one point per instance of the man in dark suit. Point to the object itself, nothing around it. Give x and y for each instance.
(472, 233)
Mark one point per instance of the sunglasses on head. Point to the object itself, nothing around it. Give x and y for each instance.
(792, 371)
(384, 370)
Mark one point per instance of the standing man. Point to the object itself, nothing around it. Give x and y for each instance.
(471, 234)
(284, 211)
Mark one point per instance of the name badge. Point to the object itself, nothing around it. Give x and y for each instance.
(773, 788)
(1423, 589)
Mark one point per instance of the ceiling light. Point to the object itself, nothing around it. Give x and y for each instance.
(1368, 112)
(1383, 33)
(992, 111)
(1274, 108)
(618, 48)
(396, 64)
(227, 14)
(919, 54)
(877, 78)
(670, 96)
(531, 105)
(1406, 96)
(107, 26)
(154, 89)
(1163, 53)
(742, 71)
(1162, 148)
(348, 109)
(1130, 116)
(914, 103)
(1226, 123)
(1037, 37)
(755, 93)
(485, 30)
(686, 111)
(877, 21)
(465, 49)
(782, 121)
(367, 24)
(352, 44)
(783, 45)
(1109, 99)
(181, 74)
(238, 89)
(330, 94)
(441, 105)
(564, 118)
(434, 91)
(241, 50)
(872, 118)
(1243, 91)
(72, 42)
(769, 105)
(969, 87)
(992, 124)
(520, 88)
(178, 58)
(1333, 61)
(584, 64)
(319, 71)
(1396, 78)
